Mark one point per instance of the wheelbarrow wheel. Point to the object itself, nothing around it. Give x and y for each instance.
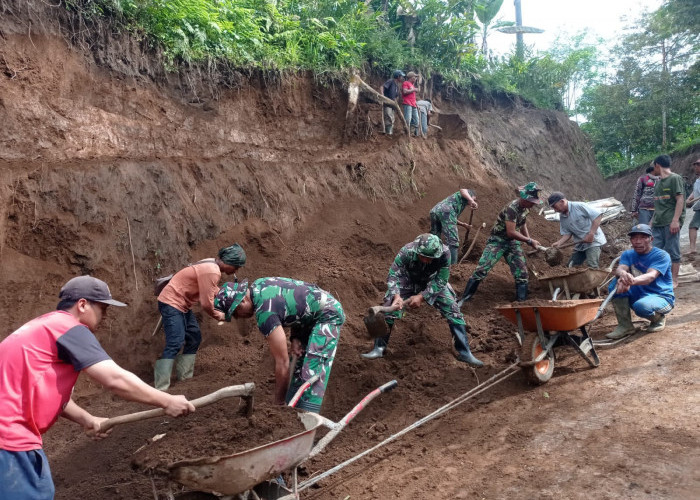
(542, 371)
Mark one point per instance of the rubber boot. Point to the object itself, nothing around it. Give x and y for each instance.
(184, 366)
(161, 374)
(658, 323)
(459, 339)
(380, 344)
(624, 319)
(521, 292)
(469, 291)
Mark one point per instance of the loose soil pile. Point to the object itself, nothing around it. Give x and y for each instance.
(217, 431)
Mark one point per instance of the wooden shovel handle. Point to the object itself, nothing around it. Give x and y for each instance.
(223, 393)
(381, 309)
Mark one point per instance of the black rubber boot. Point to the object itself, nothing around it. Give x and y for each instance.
(380, 344)
(469, 291)
(521, 292)
(459, 339)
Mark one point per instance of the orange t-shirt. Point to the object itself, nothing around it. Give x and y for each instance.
(195, 283)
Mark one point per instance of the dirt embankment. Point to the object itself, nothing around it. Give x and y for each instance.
(118, 172)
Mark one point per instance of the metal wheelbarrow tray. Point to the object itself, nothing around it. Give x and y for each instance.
(549, 323)
(582, 281)
(240, 472)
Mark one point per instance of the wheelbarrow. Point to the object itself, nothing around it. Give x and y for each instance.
(549, 324)
(584, 280)
(249, 470)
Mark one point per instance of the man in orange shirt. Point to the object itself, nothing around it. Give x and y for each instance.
(196, 283)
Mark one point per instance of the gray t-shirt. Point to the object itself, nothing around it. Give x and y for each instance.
(696, 194)
(578, 222)
(424, 106)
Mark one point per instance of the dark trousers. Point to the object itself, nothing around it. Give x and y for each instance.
(180, 329)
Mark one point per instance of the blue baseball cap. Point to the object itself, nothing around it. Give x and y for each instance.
(640, 229)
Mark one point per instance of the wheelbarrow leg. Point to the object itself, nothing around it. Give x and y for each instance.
(585, 348)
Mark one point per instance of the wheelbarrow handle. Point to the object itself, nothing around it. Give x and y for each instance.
(245, 390)
(351, 414)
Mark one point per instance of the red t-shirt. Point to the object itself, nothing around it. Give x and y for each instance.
(39, 365)
(409, 99)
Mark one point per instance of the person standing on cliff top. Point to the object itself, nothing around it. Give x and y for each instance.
(410, 107)
(445, 217)
(39, 365)
(196, 283)
(391, 90)
(669, 212)
(507, 233)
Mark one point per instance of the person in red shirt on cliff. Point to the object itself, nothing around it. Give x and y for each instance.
(39, 366)
(410, 108)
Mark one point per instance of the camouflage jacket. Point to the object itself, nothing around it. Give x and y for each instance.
(285, 302)
(512, 212)
(455, 203)
(407, 271)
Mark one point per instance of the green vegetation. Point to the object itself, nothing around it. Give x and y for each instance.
(649, 102)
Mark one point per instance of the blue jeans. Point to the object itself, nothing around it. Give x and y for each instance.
(411, 115)
(644, 216)
(643, 306)
(25, 475)
(180, 328)
(664, 240)
(424, 123)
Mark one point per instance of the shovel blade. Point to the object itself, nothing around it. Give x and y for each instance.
(375, 324)
(553, 256)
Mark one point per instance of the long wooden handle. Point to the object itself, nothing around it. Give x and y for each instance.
(381, 309)
(544, 249)
(469, 250)
(225, 392)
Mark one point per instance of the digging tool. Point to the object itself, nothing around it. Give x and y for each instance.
(466, 234)
(160, 323)
(469, 250)
(245, 391)
(552, 255)
(374, 321)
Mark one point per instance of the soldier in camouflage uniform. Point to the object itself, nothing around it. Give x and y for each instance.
(507, 233)
(444, 217)
(315, 318)
(419, 274)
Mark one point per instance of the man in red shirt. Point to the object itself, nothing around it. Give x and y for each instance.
(39, 366)
(410, 108)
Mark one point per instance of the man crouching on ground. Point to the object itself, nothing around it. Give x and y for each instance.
(644, 284)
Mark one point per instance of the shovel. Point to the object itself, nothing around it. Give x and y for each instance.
(552, 255)
(245, 391)
(374, 321)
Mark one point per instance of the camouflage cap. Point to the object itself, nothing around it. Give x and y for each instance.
(530, 192)
(428, 245)
(233, 255)
(229, 297)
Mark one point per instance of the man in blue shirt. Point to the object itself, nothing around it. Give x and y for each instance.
(644, 284)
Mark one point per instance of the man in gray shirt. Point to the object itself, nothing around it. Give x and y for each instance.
(582, 222)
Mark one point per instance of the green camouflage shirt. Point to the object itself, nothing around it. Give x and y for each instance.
(512, 212)
(407, 271)
(285, 302)
(455, 203)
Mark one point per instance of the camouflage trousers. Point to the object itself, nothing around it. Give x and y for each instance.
(320, 343)
(497, 247)
(446, 303)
